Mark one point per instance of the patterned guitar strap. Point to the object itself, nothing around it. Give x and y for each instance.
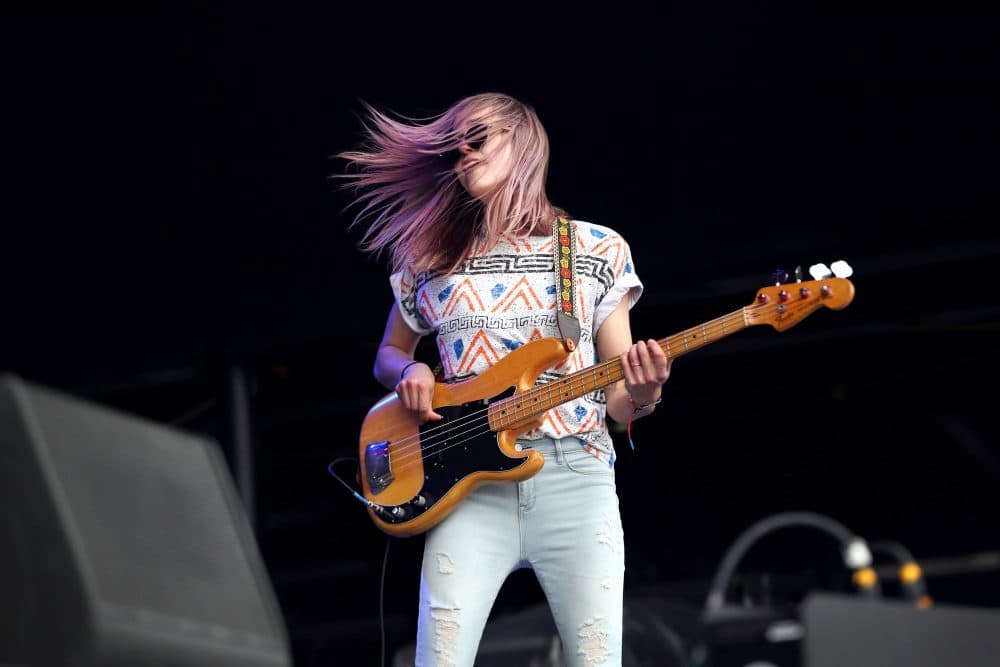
(564, 254)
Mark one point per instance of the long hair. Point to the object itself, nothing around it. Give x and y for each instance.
(411, 200)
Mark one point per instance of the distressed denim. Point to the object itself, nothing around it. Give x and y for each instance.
(564, 524)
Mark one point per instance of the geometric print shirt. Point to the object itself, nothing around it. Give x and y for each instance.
(499, 299)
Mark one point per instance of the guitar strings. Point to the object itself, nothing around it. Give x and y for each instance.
(549, 389)
(406, 453)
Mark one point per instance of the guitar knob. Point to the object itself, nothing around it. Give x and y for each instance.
(419, 501)
(805, 292)
(826, 291)
(761, 298)
(783, 295)
(398, 512)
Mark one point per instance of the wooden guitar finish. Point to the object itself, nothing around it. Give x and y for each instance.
(414, 474)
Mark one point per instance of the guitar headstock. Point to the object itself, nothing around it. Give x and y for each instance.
(785, 305)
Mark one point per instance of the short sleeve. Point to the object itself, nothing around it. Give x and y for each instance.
(626, 286)
(404, 288)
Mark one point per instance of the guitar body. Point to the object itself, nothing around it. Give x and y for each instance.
(416, 474)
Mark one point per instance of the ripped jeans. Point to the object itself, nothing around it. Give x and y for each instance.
(563, 523)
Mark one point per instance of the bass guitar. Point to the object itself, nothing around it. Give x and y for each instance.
(413, 475)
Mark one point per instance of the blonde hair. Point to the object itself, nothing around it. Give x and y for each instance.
(410, 196)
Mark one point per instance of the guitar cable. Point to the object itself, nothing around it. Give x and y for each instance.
(347, 486)
(385, 558)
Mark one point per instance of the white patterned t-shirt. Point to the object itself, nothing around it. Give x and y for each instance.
(500, 299)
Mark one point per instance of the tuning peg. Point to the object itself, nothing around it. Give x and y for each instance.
(798, 274)
(841, 269)
(779, 276)
(820, 271)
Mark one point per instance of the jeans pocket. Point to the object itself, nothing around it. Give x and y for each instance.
(581, 461)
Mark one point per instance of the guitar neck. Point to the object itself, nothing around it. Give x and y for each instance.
(538, 400)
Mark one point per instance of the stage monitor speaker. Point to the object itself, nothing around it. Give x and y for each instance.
(123, 542)
(843, 630)
(833, 630)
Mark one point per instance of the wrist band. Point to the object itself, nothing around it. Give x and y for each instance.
(402, 373)
(636, 409)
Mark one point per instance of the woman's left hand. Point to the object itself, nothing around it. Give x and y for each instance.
(646, 368)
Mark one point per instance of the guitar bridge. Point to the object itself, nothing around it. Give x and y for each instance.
(377, 467)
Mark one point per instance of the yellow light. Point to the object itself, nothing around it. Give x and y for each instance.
(910, 573)
(865, 577)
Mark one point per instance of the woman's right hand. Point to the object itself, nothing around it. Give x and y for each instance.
(416, 390)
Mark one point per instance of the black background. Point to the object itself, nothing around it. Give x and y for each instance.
(172, 216)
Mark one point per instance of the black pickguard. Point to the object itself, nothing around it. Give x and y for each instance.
(454, 448)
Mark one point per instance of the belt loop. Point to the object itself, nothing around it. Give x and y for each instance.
(560, 459)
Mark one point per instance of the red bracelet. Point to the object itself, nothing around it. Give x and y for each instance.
(636, 408)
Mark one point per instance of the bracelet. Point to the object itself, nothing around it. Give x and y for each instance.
(402, 373)
(638, 408)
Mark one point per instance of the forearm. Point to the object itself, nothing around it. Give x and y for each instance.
(389, 364)
(395, 351)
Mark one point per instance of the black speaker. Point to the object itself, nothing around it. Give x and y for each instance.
(843, 630)
(123, 542)
(833, 630)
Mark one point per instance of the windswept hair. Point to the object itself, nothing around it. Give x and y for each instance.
(412, 203)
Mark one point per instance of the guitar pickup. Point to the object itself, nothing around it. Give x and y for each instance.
(377, 467)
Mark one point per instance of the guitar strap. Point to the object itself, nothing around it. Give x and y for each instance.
(564, 256)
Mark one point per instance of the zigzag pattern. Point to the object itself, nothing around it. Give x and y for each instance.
(426, 308)
(612, 247)
(479, 348)
(521, 292)
(555, 423)
(464, 293)
(591, 421)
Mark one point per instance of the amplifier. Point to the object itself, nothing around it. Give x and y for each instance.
(835, 630)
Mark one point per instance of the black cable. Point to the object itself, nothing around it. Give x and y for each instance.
(357, 496)
(381, 596)
(854, 550)
(385, 559)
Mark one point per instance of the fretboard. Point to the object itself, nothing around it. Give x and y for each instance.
(536, 401)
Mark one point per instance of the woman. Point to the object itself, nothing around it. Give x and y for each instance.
(459, 203)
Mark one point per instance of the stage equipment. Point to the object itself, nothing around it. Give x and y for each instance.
(862, 629)
(123, 542)
(734, 633)
(911, 577)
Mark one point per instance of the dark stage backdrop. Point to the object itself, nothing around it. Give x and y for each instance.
(173, 217)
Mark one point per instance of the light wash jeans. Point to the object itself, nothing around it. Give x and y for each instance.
(563, 523)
